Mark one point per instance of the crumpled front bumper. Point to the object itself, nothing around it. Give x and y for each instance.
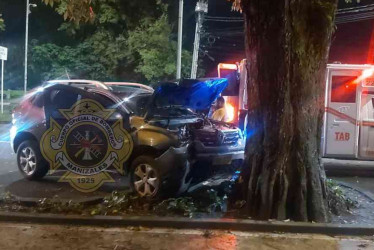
(174, 164)
(219, 155)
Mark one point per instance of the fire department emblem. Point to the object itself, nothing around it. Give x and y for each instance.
(87, 145)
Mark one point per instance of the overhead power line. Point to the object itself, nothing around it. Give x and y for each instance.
(354, 18)
(339, 12)
(355, 8)
(341, 15)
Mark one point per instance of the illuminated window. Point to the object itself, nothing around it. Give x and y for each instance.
(343, 89)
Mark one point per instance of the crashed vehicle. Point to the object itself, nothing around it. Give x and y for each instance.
(173, 139)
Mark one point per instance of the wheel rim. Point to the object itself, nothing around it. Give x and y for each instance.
(28, 161)
(146, 182)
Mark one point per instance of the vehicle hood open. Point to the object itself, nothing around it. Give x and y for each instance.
(196, 94)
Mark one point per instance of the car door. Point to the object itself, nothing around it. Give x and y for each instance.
(63, 97)
(81, 128)
(57, 98)
(341, 114)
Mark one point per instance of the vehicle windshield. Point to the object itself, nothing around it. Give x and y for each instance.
(138, 104)
(173, 111)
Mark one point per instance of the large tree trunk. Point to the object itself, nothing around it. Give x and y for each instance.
(287, 44)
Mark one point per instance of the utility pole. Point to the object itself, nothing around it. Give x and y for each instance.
(201, 9)
(180, 36)
(28, 5)
(3, 57)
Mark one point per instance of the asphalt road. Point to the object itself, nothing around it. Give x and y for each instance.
(8, 165)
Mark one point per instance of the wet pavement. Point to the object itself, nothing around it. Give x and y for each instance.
(34, 236)
(362, 184)
(361, 214)
(8, 164)
(360, 190)
(7, 156)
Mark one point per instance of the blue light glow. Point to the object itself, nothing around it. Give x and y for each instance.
(197, 95)
(235, 176)
(249, 133)
(14, 130)
(211, 83)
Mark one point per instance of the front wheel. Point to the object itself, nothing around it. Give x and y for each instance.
(30, 161)
(149, 181)
(145, 177)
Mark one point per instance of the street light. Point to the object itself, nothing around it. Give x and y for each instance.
(28, 5)
(180, 31)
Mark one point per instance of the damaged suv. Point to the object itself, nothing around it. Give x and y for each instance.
(173, 141)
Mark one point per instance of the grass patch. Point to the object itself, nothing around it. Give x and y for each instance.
(11, 103)
(6, 117)
(15, 93)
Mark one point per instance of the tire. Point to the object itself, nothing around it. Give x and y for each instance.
(161, 186)
(145, 177)
(30, 161)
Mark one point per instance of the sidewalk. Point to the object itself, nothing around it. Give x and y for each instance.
(34, 236)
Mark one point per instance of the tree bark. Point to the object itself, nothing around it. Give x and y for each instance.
(287, 45)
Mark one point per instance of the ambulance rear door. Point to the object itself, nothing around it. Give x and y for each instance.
(341, 126)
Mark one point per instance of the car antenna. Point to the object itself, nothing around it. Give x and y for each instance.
(67, 74)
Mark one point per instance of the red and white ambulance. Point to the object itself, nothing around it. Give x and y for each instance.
(348, 131)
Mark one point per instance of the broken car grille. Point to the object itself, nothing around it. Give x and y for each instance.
(218, 138)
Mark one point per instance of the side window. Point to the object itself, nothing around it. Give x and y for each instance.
(343, 89)
(62, 99)
(59, 99)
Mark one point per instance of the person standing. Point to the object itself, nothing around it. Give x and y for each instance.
(220, 114)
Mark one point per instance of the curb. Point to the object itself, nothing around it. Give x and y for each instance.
(185, 223)
(349, 171)
(26, 201)
(356, 169)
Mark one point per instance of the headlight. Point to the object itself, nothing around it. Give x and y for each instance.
(14, 120)
(12, 133)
